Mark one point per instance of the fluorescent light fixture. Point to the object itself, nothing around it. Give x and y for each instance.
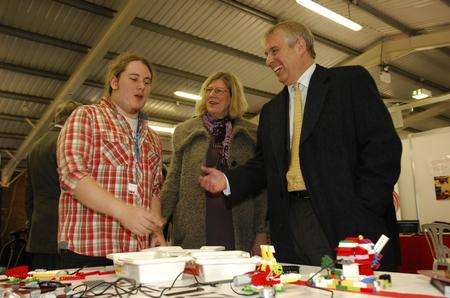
(421, 93)
(162, 129)
(323, 11)
(187, 95)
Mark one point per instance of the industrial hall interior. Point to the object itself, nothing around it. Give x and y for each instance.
(54, 52)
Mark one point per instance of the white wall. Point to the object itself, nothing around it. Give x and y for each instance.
(407, 193)
(416, 183)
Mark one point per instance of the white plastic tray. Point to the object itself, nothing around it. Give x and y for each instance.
(149, 267)
(223, 265)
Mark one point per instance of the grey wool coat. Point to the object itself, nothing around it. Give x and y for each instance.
(184, 199)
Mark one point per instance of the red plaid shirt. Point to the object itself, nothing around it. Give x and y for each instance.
(98, 141)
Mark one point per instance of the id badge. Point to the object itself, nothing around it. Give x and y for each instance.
(132, 188)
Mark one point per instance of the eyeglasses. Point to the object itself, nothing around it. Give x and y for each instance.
(218, 91)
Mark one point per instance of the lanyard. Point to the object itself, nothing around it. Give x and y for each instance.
(137, 150)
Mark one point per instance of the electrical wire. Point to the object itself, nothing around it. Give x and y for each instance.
(240, 294)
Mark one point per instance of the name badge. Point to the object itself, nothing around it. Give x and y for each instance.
(132, 188)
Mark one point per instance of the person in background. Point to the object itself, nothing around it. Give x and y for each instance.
(327, 152)
(43, 194)
(110, 166)
(219, 136)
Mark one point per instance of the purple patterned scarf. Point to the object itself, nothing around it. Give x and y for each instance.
(221, 130)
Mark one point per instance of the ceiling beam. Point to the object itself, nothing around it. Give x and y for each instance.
(412, 129)
(384, 17)
(440, 117)
(19, 96)
(15, 118)
(147, 25)
(12, 136)
(64, 77)
(25, 97)
(11, 117)
(390, 21)
(117, 26)
(80, 48)
(428, 113)
(166, 31)
(388, 51)
(251, 10)
(107, 12)
(417, 78)
(420, 103)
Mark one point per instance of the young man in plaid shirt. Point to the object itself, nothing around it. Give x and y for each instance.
(110, 167)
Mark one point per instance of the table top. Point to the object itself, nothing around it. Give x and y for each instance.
(402, 284)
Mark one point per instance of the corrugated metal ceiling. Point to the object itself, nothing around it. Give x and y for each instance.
(200, 37)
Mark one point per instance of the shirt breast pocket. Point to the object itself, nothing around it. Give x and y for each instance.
(150, 156)
(116, 150)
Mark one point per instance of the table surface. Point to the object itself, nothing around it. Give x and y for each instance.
(401, 283)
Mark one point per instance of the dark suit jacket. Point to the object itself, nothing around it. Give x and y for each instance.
(43, 194)
(349, 156)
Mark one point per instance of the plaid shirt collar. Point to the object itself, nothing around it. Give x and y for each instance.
(143, 117)
(107, 101)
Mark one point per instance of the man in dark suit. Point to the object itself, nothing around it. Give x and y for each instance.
(327, 153)
(43, 194)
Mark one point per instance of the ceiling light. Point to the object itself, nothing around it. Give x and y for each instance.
(162, 129)
(323, 11)
(187, 95)
(421, 93)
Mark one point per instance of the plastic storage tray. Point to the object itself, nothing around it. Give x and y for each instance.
(149, 266)
(223, 265)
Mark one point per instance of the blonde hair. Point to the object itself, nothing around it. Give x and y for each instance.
(293, 30)
(238, 104)
(118, 65)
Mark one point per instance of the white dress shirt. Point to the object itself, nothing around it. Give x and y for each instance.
(304, 80)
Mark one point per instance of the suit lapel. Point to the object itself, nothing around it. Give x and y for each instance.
(317, 91)
(279, 128)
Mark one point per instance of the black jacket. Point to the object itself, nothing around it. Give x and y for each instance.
(349, 156)
(43, 194)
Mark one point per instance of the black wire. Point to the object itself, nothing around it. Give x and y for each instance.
(76, 271)
(172, 285)
(4, 247)
(19, 254)
(240, 294)
(11, 253)
(76, 293)
(134, 288)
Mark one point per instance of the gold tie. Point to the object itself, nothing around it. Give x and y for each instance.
(294, 175)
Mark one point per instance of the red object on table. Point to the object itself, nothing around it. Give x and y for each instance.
(18, 272)
(416, 254)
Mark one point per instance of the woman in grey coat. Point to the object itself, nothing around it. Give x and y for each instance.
(219, 137)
